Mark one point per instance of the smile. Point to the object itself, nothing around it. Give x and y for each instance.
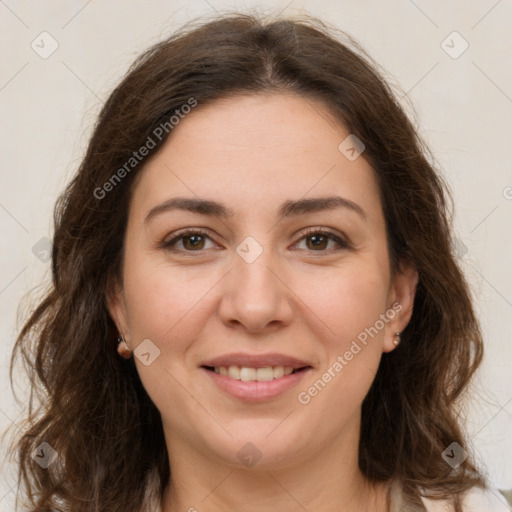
(255, 384)
(247, 374)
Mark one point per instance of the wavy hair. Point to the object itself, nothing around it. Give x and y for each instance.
(90, 406)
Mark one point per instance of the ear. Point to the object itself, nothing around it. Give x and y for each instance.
(116, 307)
(400, 304)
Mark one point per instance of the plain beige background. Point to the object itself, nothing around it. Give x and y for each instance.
(451, 59)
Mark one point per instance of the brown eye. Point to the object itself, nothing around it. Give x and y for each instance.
(317, 242)
(192, 242)
(189, 241)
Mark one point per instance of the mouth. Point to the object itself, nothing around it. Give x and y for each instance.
(255, 377)
(252, 374)
(255, 384)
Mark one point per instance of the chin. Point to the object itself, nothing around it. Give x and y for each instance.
(262, 448)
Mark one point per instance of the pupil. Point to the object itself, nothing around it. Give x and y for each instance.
(193, 240)
(318, 240)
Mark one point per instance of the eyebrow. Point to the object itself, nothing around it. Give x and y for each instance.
(288, 208)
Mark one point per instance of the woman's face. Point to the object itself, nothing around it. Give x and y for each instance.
(278, 278)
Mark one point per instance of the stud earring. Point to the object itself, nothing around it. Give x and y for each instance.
(122, 348)
(396, 340)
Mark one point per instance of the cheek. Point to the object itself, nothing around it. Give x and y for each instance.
(350, 304)
(347, 300)
(164, 303)
(351, 308)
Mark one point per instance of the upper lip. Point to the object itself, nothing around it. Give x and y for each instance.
(255, 360)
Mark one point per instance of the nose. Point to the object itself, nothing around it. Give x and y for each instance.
(256, 296)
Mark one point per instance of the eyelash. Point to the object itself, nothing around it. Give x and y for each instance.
(169, 244)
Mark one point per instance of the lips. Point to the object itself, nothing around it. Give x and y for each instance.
(255, 361)
(255, 378)
(262, 367)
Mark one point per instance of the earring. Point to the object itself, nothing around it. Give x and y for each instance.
(396, 340)
(122, 348)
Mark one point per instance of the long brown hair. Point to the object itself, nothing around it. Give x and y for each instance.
(89, 405)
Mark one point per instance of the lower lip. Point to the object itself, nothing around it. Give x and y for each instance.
(255, 391)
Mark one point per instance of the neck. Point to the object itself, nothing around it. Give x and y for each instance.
(321, 484)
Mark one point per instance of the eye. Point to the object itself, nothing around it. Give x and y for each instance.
(317, 240)
(188, 241)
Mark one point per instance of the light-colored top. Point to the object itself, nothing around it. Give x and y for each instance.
(476, 500)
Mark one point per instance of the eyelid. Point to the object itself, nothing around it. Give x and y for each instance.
(341, 240)
(176, 236)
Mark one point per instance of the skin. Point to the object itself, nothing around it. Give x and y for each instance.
(252, 153)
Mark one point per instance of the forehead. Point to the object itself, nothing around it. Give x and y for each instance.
(255, 151)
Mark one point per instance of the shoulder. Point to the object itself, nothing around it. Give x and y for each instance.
(475, 500)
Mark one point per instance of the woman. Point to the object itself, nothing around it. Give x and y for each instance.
(254, 303)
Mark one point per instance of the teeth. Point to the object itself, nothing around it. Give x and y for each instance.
(279, 372)
(246, 374)
(234, 372)
(264, 374)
